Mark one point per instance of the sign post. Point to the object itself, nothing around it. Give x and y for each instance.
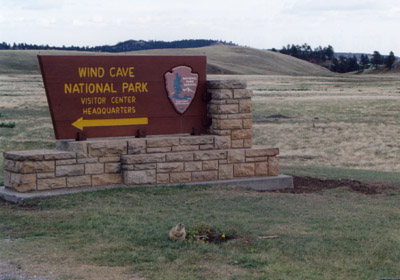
(113, 96)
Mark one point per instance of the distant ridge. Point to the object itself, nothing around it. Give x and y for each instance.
(132, 45)
(126, 46)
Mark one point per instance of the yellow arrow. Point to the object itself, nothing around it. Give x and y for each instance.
(81, 123)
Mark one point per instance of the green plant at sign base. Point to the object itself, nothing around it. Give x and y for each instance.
(205, 233)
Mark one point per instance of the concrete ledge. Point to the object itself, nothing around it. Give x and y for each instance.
(256, 183)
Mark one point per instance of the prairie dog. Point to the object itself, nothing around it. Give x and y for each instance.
(177, 233)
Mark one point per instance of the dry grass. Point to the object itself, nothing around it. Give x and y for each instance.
(341, 121)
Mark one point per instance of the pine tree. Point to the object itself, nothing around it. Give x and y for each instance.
(364, 61)
(390, 60)
(376, 59)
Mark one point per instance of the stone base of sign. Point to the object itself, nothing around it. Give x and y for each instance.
(225, 153)
(153, 160)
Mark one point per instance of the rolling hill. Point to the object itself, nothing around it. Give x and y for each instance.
(221, 59)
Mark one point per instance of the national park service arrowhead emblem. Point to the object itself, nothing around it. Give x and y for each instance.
(181, 85)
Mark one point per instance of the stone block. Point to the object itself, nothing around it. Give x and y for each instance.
(58, 155)
(136, 146)
(196, 140)
(88, 160)
(168, 167)
(241, 134)
(222, 142)
(236, 156)
(193, 166)
(273, 166)
(261, 168)
(220, 132)
(106, 179)
(242, 93)
(145, 166)
(107, 148)
(260, 152)
(110, 159)
(219, 116)
(7, 178)
(247, 123)
(20, 182)
(53, 183)
(112, 167)
(227, 124)
(181, 177)
(237, 144)
(38, 155)
(163, 178)
(139, 177)
(220, 93)
(79, 181)
(70, 170)
(206, 147)
(26, 167)
(66, 161)
(256, 159)
(79, 147)
(46, 175)
(185, 148)
(205, 176)
(179, 157)
(94, 168)
(218, 101)
(247, 143)
(158, 142)
(210, 165)
(242, 116)
(225, 171)
(243, 170)
(10, 165)
(245, 106)
(209, 155)
(153, 158)
(128, 167)
(159, 150)
(228, 109)
(232, 101)
(234, 83)
(22, 155)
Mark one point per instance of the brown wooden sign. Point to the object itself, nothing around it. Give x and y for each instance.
(112, 96)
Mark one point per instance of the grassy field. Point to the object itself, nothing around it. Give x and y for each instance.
(123, 234)
(347, 121)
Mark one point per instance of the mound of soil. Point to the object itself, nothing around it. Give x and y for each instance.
(312, 185)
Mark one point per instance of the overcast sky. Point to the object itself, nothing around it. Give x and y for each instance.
(347, 25)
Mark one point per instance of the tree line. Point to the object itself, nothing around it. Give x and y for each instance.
(325, 56)
(130, 45)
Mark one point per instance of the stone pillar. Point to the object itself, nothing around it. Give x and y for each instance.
(230, 110)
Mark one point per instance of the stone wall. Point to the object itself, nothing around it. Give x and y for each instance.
(226, 152)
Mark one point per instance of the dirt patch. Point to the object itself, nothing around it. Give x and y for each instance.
(312, 185)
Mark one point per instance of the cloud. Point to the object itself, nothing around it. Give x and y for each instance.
(315, 6)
